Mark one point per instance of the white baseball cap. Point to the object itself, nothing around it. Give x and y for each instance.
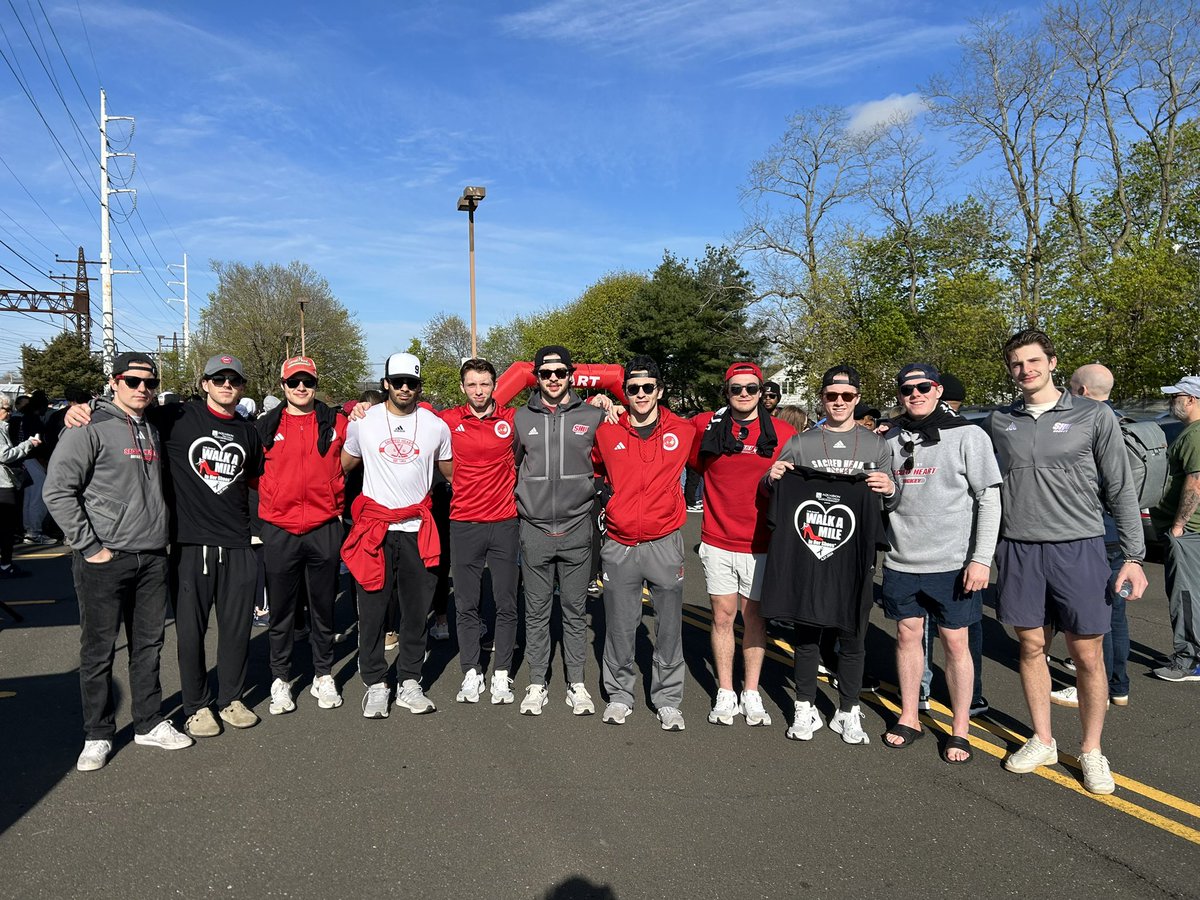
(399, 364)
(1189, 384)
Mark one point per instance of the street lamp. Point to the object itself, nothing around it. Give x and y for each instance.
(471, 198)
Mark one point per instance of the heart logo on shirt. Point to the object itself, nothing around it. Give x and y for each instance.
(824, 528)
(218, 465)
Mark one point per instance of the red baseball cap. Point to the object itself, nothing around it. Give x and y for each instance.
(743, 368)
(296, 365)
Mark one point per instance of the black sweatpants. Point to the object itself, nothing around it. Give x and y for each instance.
(291, 561)
(204, 576)
(851, 654)
(496, 544)
(10, 522)
(404, 573)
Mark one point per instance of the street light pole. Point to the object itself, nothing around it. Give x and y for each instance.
(470, 199)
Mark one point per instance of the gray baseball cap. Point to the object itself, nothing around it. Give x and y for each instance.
(1189, 384)
(223, 362)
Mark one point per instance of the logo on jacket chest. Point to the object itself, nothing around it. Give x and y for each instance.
(822, 528)
(502, 429)
(670, 441)
(217, 464)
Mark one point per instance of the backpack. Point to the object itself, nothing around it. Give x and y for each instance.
(1146, 448)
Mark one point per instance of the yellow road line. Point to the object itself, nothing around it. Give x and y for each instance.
(44, 555)
(4, 695)
(29, 602)
(702, 618)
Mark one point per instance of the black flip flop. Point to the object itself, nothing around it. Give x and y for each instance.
(907, 735)
(954, 742)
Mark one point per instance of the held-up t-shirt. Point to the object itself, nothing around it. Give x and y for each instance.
(399, 454)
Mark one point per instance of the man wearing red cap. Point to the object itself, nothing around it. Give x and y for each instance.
(733, 449)
(301, 495)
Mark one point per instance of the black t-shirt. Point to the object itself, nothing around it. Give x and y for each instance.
(211, 460)
(826, 529)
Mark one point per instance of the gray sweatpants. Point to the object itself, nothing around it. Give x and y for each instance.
(1182, 571)
(659, 564)
(569, 556)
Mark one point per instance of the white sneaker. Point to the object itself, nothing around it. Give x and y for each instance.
(375, 701)
(472, 686)
(725, 708)
(411, 697)
(536, 696)
(1068, 696)
(501, 689)
(164, 736)
(94, 755)
(1097, 777)
(1033, 753)
(806, 723)
(850, 725)
(580, 700)
(281, 698)
(752, 709)
(616, 713)
(671, 719)
(324, 688)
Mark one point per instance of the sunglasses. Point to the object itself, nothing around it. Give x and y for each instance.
(743, 433)
(222, 380)
(907, 390)
(404, 381)
(737, 389)
(298, 381)
(133, 382)
(908, 448)
(558, 374)
(846, 396)
(634, 389)
(770, 394)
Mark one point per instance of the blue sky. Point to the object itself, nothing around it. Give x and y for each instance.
(341, 134)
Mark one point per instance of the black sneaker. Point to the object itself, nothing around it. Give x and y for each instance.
(979, 706)
(262, 617)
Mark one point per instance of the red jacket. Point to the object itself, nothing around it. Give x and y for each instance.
(647, 501)
(301, 489)
(485, 466)
(363, 550)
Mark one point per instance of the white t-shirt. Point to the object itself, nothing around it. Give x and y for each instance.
(398, 454)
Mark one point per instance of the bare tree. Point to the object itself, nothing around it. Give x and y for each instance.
(1006, 98)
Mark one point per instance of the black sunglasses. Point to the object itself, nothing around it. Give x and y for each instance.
(846, 396)
(404, 381)
(133, 382)
(906, 390)
(634, 389)
(297, 380)
(222, 380)
(908, 448)
(770, 394)
(736, 389)
(547, 374)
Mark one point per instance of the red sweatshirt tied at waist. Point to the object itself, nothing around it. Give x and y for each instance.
(363, 550)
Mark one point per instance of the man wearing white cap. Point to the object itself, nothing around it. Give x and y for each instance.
(1177, 516)
(394, 542)
(301, 496)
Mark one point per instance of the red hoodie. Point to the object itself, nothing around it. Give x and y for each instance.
(647, 501)
(300, 489)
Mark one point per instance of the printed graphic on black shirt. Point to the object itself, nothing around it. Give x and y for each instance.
(217, 460)
(824, 524)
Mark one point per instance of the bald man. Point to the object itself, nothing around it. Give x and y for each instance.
(1096, 382)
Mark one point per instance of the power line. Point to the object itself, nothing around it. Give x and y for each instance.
(53, 33)
(91, 53)
(33, 198)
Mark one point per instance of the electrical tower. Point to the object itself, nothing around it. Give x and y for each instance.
(106, 270)
(74, 305)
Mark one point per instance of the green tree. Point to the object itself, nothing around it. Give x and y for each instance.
(694, 320)
(254, 313)
(64, 362)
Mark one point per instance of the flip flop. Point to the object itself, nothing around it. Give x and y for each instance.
(908, 736)
(954, 742)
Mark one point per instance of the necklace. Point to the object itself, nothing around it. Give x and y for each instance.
(853, 451)
(392, 433)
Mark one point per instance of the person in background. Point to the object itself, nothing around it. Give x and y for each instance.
(771, 395)
(11, 473)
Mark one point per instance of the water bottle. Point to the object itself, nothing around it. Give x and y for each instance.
(1126, 589)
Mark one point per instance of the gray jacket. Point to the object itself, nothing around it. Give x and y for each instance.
(1056, 468)
(554, 456)
(104, 484)
(10, 459)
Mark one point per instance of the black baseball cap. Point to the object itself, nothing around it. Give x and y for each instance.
(848, 372)
(553, 350)
(918, 370)
(771, 387)
(132, 358)
(952, 388)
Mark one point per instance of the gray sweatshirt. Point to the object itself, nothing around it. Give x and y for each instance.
(554, 458)
(949, 509)
(1056, 468)
(104, 484)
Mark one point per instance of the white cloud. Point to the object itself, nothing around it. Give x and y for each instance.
(894, 107)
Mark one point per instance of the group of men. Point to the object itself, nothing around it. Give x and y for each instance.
(1030, 489)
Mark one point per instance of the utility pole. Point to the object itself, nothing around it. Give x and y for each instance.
(106, 270)
(186, 314)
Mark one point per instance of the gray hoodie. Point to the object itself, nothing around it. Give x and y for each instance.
(104, 484)
(1057, 466)
(554, 455)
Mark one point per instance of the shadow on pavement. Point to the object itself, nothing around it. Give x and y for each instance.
(579, 888)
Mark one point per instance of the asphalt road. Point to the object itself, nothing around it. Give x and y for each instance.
(480, 801)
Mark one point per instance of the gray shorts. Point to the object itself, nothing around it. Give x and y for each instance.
(1060, 584)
